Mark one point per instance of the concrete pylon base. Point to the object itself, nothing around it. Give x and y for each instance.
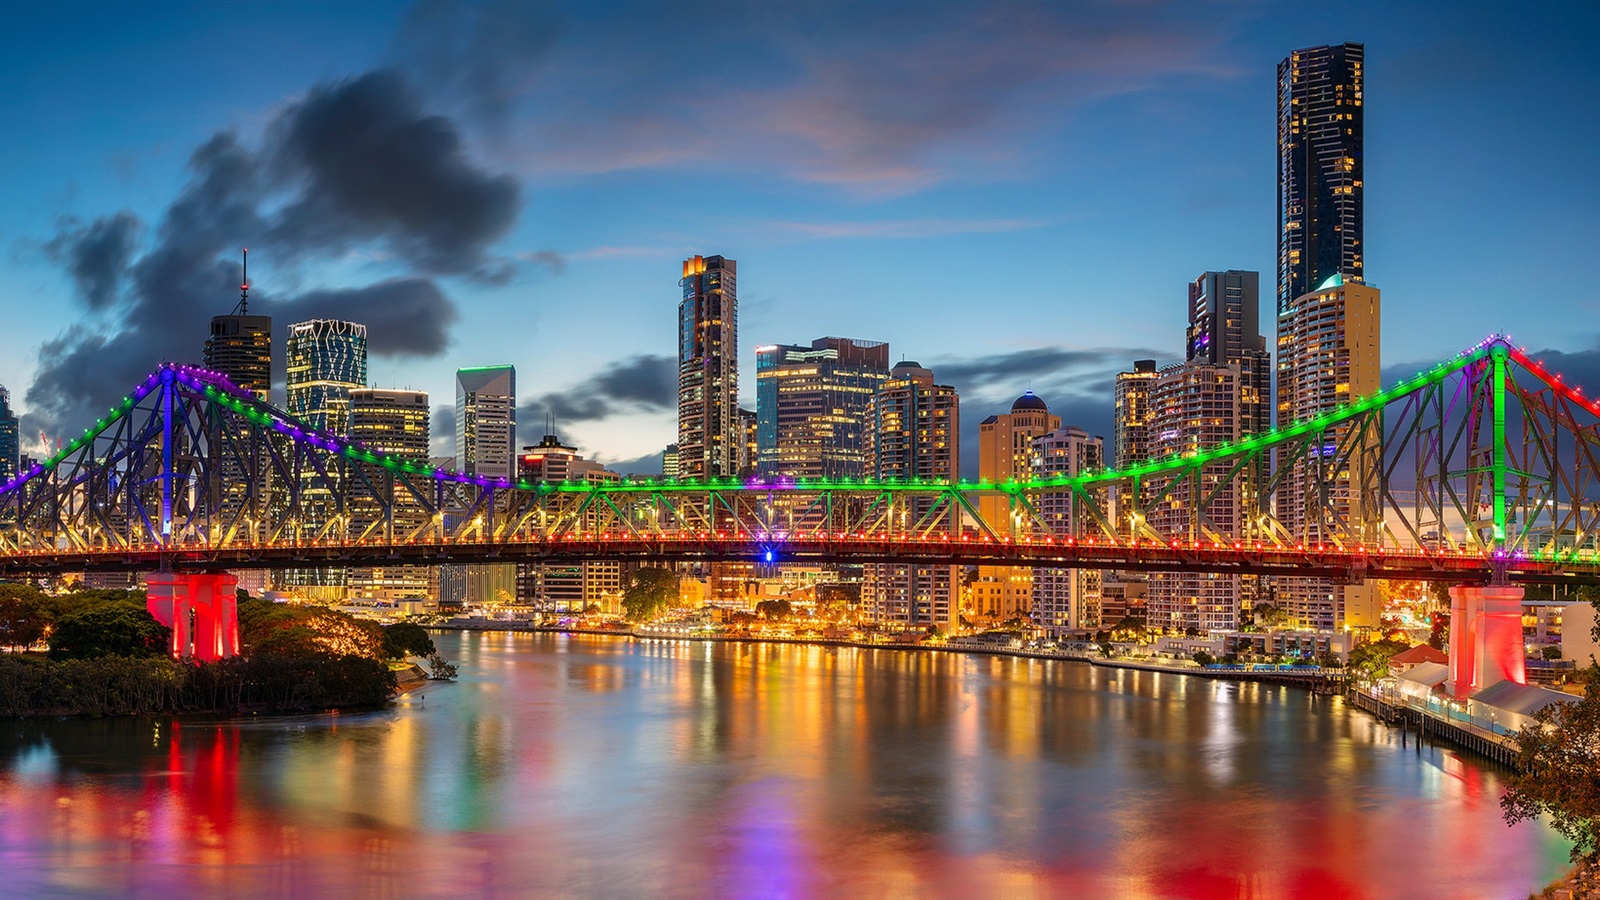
(1485, 638)
(202, 610)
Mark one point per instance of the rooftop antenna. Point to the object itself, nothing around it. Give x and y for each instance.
(244, 286)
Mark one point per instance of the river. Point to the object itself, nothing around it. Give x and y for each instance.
(600, 766)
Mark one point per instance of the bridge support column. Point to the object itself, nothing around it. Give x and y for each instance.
(1485, 638)
(205, 599)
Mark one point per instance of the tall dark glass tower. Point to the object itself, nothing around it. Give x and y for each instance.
(709, 431)
(1225, 330)
(1319, 169)
(10, 443)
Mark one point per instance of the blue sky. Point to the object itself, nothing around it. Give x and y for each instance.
(1013, 195)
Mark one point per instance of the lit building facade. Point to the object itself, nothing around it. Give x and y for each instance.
(914, 426)
(1006, 453)
(811, 407)
(10, 439)
(1320, 206)
(396, 423)
(1225, 330)
(1195, 407)
(1066, 600)
(1130, 438)
(324, 360)
(709, 432)
(1329, 355)
(240, 347)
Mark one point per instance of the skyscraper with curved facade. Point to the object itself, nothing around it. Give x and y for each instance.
(1321, 185)
(710, 434)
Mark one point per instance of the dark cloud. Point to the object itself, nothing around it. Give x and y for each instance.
(645, 384)
(351, 165)
(370, 164)
(479, 58)
(96, 255)
(404, 316)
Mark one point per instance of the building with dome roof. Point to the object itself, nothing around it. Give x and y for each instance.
(1005, 453)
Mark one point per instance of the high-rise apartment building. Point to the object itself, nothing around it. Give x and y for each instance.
(486, 444)
(10, 442)
(1006, 453)
(395, 423)
(486, 420)
(1130, 437)
(325, 359)
(669, 461)
(709, 431)
(1193, 408)
(1225, 330)
(1065, 600)
(1328, 355)
(914, 426)
(1320, 115)
(240, 345)
(811, 407)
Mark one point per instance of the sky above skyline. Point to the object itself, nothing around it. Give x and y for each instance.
(1013, 195)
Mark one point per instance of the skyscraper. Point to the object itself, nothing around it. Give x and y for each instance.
(326, 358)
(1131, 435)
(915, 428)
(1328, 355)
(1005, 453)
(709, 433)
(811, 403)
(395, 423)
(486, 444)
(10, 443)
(486, 420)
(1320, 189)
(240, 346)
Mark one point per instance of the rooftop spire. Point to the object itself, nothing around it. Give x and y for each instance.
(244, 285)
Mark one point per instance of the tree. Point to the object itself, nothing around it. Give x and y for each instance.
(25, 615)
(651, 591)
(1203, 659)
(403, 639)
(442, 671)
(774, 610)
(109, 629)
(1269, 616)
(1558, 774)
(1370, 661)
(1439, 631)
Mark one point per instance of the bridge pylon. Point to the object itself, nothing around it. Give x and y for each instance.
(202, 610)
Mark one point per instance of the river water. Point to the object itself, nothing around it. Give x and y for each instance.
(596, 766)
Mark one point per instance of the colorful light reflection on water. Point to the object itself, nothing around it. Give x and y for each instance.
(564, 766)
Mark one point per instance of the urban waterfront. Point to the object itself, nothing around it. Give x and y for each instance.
(604, 766)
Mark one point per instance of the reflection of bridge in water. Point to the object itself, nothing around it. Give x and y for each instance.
(1482, 469)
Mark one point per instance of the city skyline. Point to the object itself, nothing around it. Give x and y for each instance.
(1076, 182)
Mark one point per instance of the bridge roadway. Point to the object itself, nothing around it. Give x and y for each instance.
(1264, 559)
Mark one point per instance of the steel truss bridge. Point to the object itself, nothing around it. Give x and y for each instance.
(1481, 468)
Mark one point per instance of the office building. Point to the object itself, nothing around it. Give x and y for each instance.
(1006, 453)
(710, 435)
(1225, 330)
(240, 345)
(669, 462)
(394, 423)
(1066, 600)
(325, 359)
(569, 588)
(486, 420)
(914, 427)
(486, 444)
(811, 406)
(10, 439)
(1329, 355)
(1320, 191)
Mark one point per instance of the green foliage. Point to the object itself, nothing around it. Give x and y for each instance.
(1269, 616)
(651, 591)
(404, 639)
(442, 671)
(1550, 652)
(286, 629)
(1202, 658)
(774, 610)
(116, 628)
(1331, 660)
(1558, 775)
(25, 615)
(1370, 661)
(120, 686)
